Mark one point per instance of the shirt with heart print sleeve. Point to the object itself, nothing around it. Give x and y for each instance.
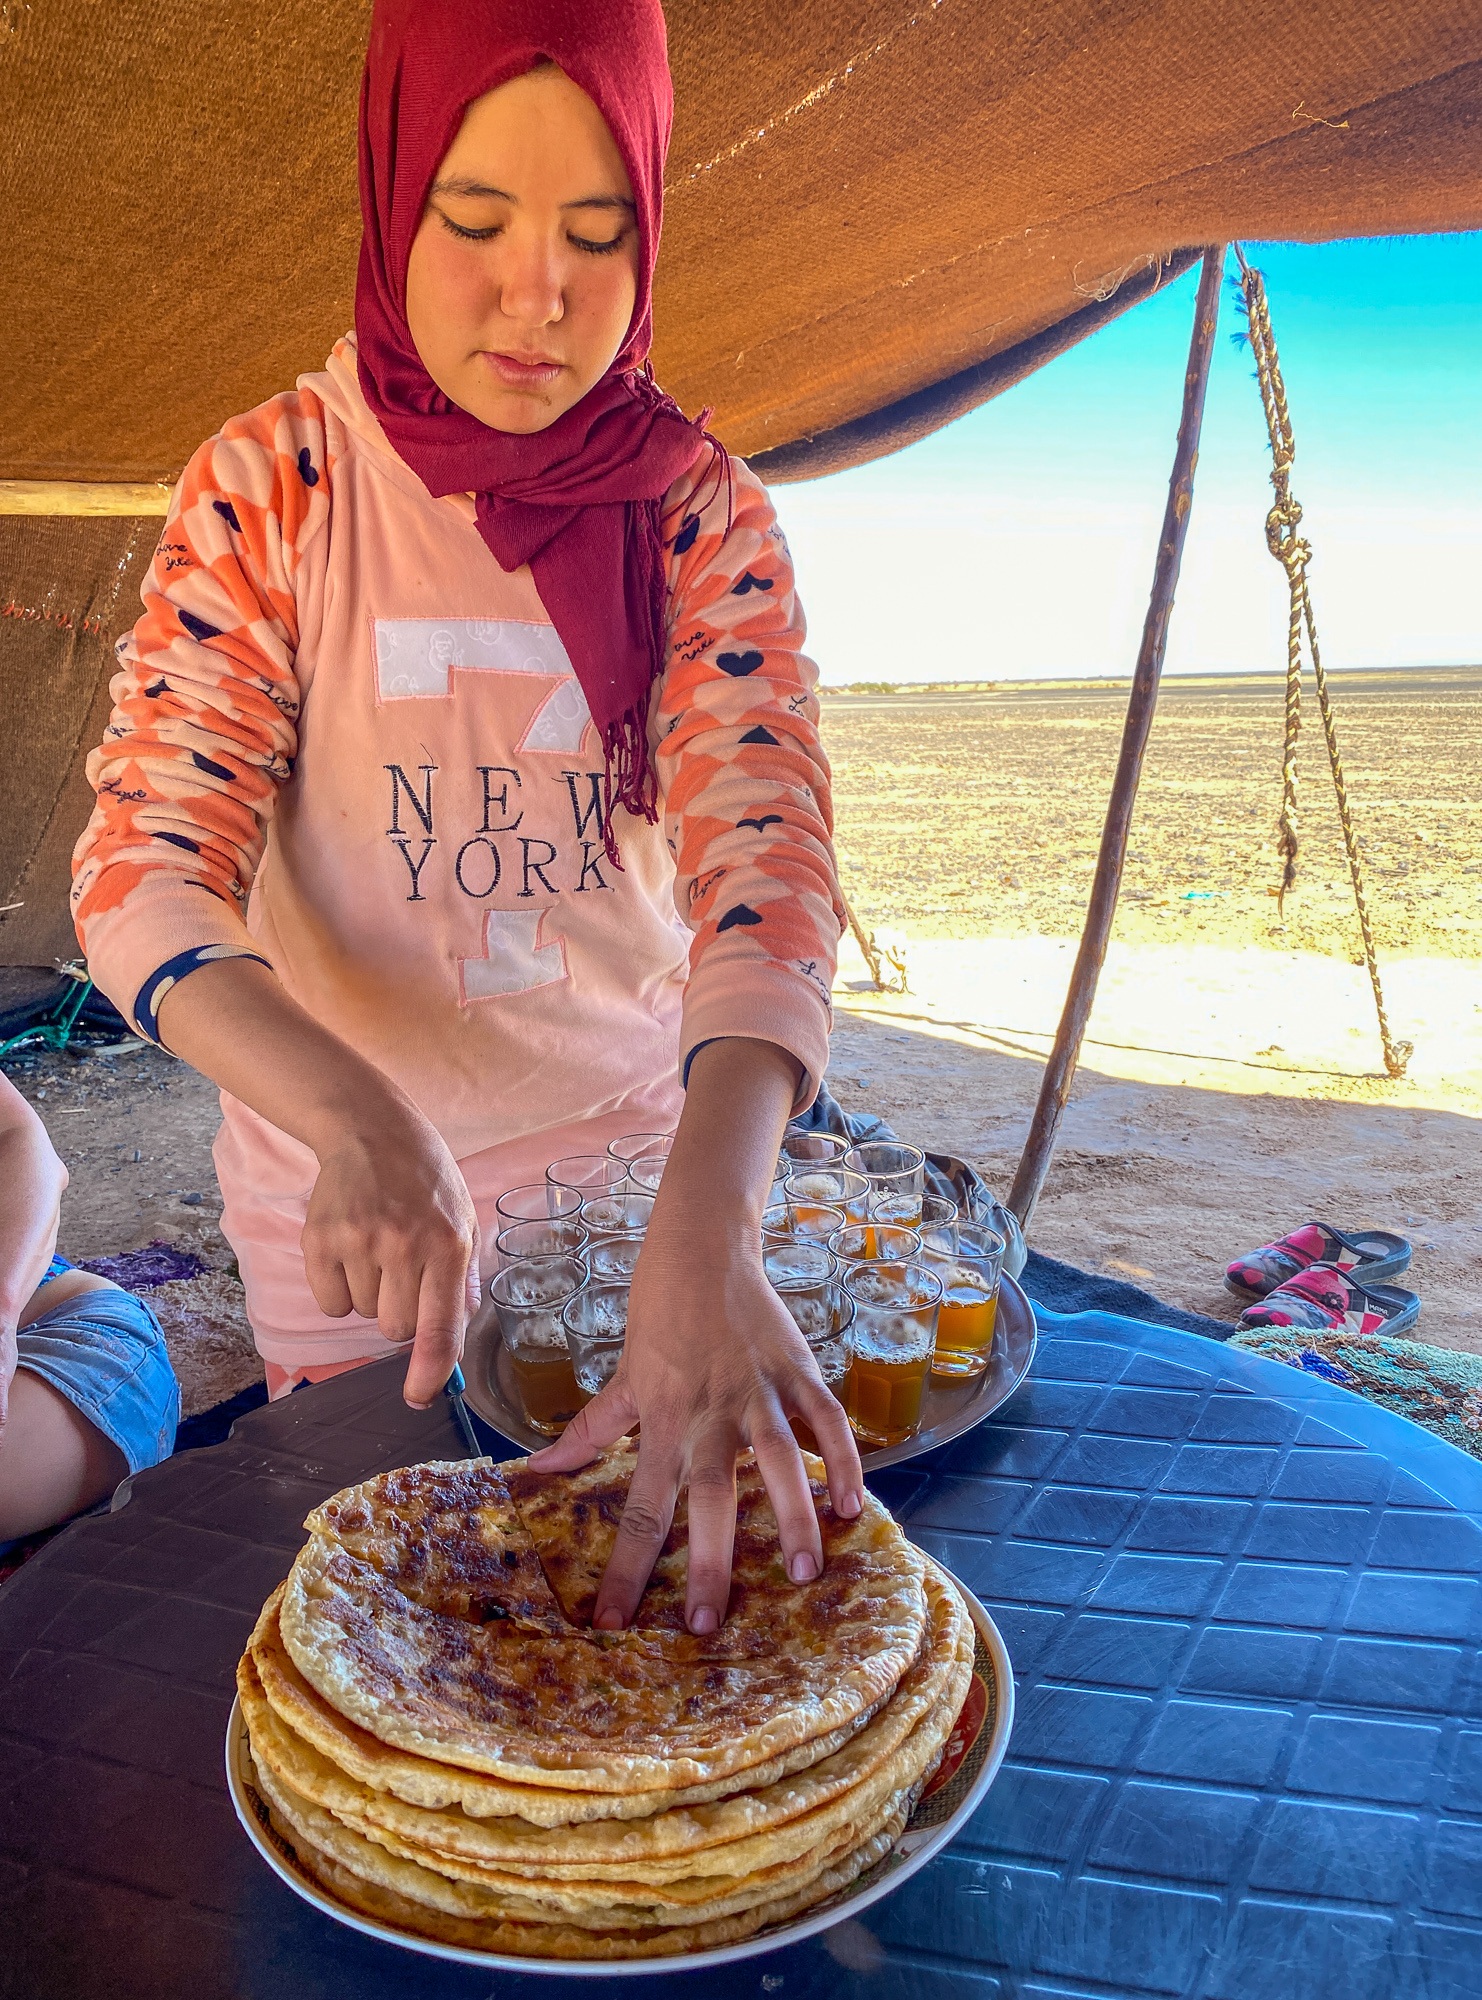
(346, 742)
(745, 783)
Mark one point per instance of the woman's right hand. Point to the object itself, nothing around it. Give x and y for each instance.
(391, 1231)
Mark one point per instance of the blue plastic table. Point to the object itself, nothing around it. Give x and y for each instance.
(1244, 1608)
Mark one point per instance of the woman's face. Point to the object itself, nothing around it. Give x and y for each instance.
(524, 268)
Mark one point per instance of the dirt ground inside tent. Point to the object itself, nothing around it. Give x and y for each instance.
(1231, 1086)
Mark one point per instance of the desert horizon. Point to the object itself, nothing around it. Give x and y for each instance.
(1231, 1085)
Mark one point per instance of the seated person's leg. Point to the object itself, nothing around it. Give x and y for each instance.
(53, 1463)
(93, 1399)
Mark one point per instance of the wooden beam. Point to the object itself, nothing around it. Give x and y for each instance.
(1102, 908)
(43, 497)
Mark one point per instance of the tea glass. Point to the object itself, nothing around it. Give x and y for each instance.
(635, 1145)
(813, 1222)
(835, 1358)
(776, 1223)
(875, 1243)
(801, 1150)
(897, 1177)
(530, 1299)
(587, 1173)
(626, 1214)
(559, 1236)
(835, 1186)
(895, 1323)
(802, 1275)
(936, 1209)
(596, 1323)
(645, 1173)
(968, 1257)
(536, 1201)
(614, 1259)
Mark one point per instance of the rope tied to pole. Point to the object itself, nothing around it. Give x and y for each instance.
(1294, 552)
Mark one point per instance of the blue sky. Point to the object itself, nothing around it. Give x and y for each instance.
(1018, 543)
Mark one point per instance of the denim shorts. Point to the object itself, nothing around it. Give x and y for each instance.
(103, 1350)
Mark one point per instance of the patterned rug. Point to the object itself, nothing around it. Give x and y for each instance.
(1432, 1386)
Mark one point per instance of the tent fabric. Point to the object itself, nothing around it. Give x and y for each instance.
(865, 197)
(67, 588)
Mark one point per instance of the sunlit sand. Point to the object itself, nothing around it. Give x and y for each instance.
(1231, 1086)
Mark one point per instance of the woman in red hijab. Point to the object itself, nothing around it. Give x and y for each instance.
(463, 807)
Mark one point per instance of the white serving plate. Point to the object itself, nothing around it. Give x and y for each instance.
(971, 1766)
(951, 1407)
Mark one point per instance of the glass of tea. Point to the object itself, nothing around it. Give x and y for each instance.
(968, 1258)
(587, 1174)
(835, 1187)
(835, 1358)
(626, 1214)
(556, 1236)
(537, 1201)
(897, 1178)
(802, 1275)
(813, 1222)
(895, 1323)
(596, 1323)
(614, 1259)
(529, 1299)
(801, 1150)
(875, 1242)
(776, 1223)
(936, 1210)
(615, 1224)
(639, 1145)
(645, 1173)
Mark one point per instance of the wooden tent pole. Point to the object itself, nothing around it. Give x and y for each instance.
(1060, 1069)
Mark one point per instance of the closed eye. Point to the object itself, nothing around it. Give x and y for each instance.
(468, 235)
(590, 246)
(594, 248)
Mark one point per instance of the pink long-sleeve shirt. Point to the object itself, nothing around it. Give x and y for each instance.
(346, 741)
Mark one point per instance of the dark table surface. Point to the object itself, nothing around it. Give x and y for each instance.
(1244, 1611)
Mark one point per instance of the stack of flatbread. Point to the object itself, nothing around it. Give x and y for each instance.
(448, 1745)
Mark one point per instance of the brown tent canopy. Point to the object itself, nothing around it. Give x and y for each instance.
(879, 214)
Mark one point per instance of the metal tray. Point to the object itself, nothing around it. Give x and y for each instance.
(974, 1752)
(951, 1407)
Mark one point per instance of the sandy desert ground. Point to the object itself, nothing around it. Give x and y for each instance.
(1231, 1085)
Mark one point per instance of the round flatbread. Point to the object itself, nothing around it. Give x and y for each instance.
(766, 1823)
(565, 1941)
(591, 1909)
(685, 1878)
(415, 1611)
(421, 1782)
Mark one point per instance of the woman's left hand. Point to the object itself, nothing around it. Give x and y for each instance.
(713, 1362)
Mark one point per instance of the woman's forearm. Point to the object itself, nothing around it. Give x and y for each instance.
(233, 1022)
(390, 1232)
(737, 1102)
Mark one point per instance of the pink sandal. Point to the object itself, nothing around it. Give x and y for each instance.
(1323, 1300)
(1370, 1254)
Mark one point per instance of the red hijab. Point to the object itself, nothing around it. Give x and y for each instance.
(580, 501)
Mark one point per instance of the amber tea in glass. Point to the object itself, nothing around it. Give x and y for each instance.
(895, 1313)
(530, 1298)
(866, 1243)
(965, 1322)
(968, 1258)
